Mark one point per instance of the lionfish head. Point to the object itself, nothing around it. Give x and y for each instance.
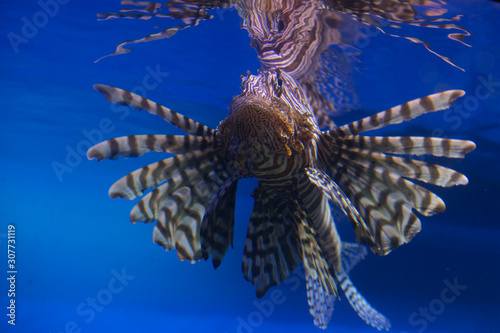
(264, 122)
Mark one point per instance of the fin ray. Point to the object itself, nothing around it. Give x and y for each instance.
(400, 113)
(138, 145)
(120, 96)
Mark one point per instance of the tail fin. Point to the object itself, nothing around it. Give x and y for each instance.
(352, 254)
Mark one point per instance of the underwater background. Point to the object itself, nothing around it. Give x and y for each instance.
(83, 267)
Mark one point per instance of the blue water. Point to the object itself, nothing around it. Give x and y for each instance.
(83, 267)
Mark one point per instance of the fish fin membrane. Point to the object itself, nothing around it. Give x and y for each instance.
(316, 193)
(272, 249)
(217, 229)
(181, 186)
(352, 254)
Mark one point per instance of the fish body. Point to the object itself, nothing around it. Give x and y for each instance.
(302, 172)
(275, 132)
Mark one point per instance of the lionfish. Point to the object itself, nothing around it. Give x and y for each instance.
(278, 131)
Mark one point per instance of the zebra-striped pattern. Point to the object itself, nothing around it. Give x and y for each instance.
(364, 310)
(294, 36)
(179, 221)
(271, 129)
(272, 245)
(400, 113)
(124, 97)
(176, 170)
(138, 145)
(314, 195)
(269, 86)
(272, 133)
(217, 227)
(320, 303)
(376, 192)
(290, 35)
(318, 211)
(321, 300)
(183, 184)
(405, 145)
(320, 285)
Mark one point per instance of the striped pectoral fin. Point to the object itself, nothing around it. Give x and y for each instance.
(271, 249)
(379, 186)
(217, 228)
(364, 310)
(137, 145)
(178, 225)
(337, 196)
(385, 201)
(389, 188)
(120, 96)
(180, 214)
(405, 145)
(370, 152)
(206, 181)
(400, 113)
(179, 169)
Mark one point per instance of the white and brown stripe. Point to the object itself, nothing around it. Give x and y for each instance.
(400, 113)
(120, 96)
(272, 245)
(272, 133)
(137, 145)
(378, 186)
(217, 228)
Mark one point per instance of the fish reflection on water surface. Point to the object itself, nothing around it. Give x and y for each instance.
(275, 133)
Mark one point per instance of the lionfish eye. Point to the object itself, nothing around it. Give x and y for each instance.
(281, 25)
(278, 87)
